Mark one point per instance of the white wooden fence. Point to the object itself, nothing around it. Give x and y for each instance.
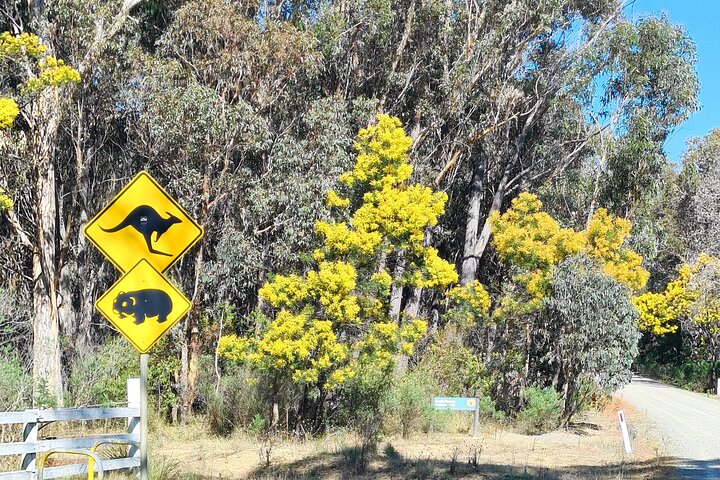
(32, 446)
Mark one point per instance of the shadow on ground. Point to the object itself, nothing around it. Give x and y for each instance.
(697, 469)
(388, 463)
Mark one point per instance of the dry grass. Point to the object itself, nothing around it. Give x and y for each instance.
(590, 450)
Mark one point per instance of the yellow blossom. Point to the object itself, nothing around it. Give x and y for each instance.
(25, 44)
(605, 237)
(659, 312)
(334, 200)
(472, 298)
(529, 238)
(53, 73)
(334, 318)
(8, 112)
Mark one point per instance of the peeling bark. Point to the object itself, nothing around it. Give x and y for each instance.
(470, 261)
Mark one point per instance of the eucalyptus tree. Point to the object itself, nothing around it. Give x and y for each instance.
(592, 331)
(223, 111)
(44, 218)
(698, 197)
(474, 81)
(247, 113)
(645, 87)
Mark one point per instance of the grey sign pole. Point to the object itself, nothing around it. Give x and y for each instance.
(143, 417)
(476, 417)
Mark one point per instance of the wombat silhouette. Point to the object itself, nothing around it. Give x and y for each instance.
(147, 221)
(143, 304)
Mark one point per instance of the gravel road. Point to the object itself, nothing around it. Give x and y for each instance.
(688, 422)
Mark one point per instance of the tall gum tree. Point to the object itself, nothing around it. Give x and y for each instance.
(220, 93)
(43, 110)
(651, 89)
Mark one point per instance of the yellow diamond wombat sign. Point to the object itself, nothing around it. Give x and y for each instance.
(143, 305)
(143, 222)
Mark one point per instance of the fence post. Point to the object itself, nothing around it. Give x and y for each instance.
(30, 435)
(133, 396)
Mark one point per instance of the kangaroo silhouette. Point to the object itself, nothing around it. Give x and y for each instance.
(147, 221)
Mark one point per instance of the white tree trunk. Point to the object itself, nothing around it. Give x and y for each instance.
(46, 328)
(470, 261)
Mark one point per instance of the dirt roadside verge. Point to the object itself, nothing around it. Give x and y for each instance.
(591, 449)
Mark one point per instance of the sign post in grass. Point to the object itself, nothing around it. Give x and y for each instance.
(459, 404)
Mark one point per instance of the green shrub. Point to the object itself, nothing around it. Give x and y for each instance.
(541, 412)
(409, 403)
(164, 366)
(15, 385)
(687, 374)
(235, 404)
(364, 409)
(454, 367)
(99, 375)
(257, 425)
(589, 396)
(487, 410)
(42, 398)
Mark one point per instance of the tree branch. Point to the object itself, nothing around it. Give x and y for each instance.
(21, 232)
(102, 37)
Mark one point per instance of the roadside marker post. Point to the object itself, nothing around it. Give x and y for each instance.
(624, 430)
(143, 231)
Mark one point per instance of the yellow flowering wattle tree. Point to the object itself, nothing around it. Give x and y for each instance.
(41, 71)
(605, 236)
(336, 318)
(691, 297)
(532, 241)
(468, 304)
(659, 312)
(692, 301)
(540, 316)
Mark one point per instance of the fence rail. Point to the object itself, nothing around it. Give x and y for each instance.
(32, 446)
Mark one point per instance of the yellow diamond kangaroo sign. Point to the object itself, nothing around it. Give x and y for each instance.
(143, 222)
(143, 305)
(143, 231)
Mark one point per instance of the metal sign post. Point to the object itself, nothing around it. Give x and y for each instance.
(476, 418)
(143, 416)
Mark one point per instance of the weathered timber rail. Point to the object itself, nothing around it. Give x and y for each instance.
(33, 447)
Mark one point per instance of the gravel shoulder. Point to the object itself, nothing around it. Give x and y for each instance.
(687, 423)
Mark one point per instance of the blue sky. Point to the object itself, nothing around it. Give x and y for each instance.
(701, 19)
